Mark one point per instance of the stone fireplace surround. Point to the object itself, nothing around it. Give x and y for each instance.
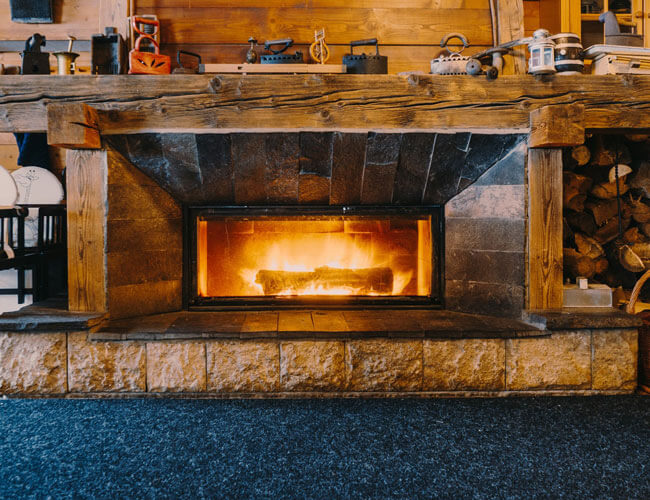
(485, 271)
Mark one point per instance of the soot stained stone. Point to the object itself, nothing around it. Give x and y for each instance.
(182, 166)
(382, 149)
(382, 154)
(348, 159)
(494, 299)
(282, 156)
(248, 154)
(460, 159)
(485, 266)
(215, 164)
(444, 174)
(312, 167)
(413, 167)
(484, 151)
(505, 235)
(316, 153)
(145, 152)
(510, 169)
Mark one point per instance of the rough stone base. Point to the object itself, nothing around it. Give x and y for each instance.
(564, 362)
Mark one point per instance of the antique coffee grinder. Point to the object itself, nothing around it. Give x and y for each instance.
(35, 62)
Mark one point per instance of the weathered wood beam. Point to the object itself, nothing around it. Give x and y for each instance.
(73, 125)
(510, 22)
(557, 126)
(202, 103)
(545, 287)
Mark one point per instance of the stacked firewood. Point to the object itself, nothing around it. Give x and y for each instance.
(607, 209)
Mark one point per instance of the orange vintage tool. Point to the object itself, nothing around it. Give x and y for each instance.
(148, 63)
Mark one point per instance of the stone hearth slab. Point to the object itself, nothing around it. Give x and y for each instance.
(313, 324)
(48, 316)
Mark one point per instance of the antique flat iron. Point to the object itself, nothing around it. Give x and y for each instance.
(277, 56)
(148, 63)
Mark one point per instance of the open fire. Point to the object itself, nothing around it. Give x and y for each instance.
(294, 256)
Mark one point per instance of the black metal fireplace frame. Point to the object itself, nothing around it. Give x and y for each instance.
(192, 301)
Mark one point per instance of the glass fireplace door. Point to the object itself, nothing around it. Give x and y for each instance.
(288, 255)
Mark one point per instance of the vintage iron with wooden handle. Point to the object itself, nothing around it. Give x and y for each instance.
(365, 64)
(277, 56)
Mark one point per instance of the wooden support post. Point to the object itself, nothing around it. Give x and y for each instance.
(73, 125)
(545, 229)
(557, 126)
(124, 238)
(510, 22)
(87, 208)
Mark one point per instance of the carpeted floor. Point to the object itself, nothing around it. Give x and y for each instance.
(591, 447)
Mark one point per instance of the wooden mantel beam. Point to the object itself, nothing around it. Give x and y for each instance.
(203, 103)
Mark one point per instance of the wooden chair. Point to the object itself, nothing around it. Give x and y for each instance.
(38, 256)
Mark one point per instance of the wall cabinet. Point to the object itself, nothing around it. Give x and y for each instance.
(581, 17)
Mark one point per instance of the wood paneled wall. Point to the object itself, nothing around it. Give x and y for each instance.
(409, 31)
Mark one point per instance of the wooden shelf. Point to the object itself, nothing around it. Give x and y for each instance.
(594, 17)
(127, 104)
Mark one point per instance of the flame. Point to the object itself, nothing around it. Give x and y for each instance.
(294, 247)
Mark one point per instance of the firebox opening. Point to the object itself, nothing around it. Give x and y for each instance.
(297, 254)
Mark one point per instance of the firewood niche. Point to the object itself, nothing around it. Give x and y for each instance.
(607, 228)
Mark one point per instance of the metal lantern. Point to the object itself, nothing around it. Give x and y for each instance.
(542, 53)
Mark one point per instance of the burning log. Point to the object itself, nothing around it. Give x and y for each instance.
(364, 281)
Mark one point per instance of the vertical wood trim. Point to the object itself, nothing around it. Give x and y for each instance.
(510, 21)
(87, 203)
(114, 13)
(571, 18)
(545, 228)
(646, 23)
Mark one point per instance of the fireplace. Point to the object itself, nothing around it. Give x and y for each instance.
(314, 256)
(209, 214)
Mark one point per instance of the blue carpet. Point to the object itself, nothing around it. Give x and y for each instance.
(588, 447)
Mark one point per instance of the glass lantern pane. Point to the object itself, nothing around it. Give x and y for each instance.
(548, 56)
